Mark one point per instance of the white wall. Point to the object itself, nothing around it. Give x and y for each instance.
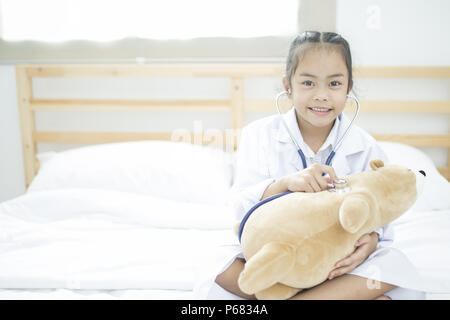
(396, 32)
(400, 33)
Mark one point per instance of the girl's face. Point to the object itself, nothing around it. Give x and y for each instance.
(319, 88)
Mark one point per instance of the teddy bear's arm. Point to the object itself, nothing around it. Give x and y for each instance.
(353, 213)
(267, 267)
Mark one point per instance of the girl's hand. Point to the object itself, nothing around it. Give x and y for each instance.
(310, 179)
(364, 248)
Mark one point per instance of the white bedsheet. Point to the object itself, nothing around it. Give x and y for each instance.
(424, 236)
(93, 239)
(71, 294)
(98, 244)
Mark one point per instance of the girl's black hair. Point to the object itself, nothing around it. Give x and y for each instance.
(310, 39)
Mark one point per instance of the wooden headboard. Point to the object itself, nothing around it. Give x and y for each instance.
(237, 104)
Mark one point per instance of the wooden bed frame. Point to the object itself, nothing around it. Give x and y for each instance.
(236, 104)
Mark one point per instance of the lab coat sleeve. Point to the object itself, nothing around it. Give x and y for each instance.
(252, 173)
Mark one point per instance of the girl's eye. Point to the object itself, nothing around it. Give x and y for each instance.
(308, 83)
(335, 83)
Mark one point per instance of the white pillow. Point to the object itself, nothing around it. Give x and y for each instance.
(436, 191)
(172, 170)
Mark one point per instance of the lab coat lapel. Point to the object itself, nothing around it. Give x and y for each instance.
(295, 160)
(352, 144)
(287, 146)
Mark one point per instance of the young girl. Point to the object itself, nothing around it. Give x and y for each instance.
(318, 79)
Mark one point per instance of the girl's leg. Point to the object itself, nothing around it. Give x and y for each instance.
(229, 279)
(345, 287)
(383, 298)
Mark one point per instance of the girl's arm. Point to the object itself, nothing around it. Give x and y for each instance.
(275, 187)
(307, 180)
(252, 174)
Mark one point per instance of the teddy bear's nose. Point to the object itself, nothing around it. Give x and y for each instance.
(422, 172)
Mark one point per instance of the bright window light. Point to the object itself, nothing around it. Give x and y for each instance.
(106, 20)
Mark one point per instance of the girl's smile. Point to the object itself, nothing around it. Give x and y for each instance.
(320, 111)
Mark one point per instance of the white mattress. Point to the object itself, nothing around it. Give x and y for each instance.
(425, 239)
(80, 239)
(97, 244)
(71, 294)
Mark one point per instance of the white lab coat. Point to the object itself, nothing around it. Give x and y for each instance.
(266, 153)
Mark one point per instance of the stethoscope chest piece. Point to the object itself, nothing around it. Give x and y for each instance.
(339, 186)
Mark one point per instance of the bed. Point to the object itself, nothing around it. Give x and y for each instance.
(136, 215)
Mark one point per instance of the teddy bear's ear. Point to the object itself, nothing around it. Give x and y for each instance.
(375, 164)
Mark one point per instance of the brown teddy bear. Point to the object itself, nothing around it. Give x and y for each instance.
(292, 242)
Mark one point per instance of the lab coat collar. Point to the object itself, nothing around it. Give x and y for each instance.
(331, 140)
(291, 120)
(352, 144)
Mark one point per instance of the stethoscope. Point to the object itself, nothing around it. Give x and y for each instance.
(339, 186)
(338, 144)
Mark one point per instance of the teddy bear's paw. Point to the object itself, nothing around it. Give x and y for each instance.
(277, 292)
(264, 269)
(353, 213)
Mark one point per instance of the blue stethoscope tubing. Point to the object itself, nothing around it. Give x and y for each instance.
(302, 156)
(299, 150)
